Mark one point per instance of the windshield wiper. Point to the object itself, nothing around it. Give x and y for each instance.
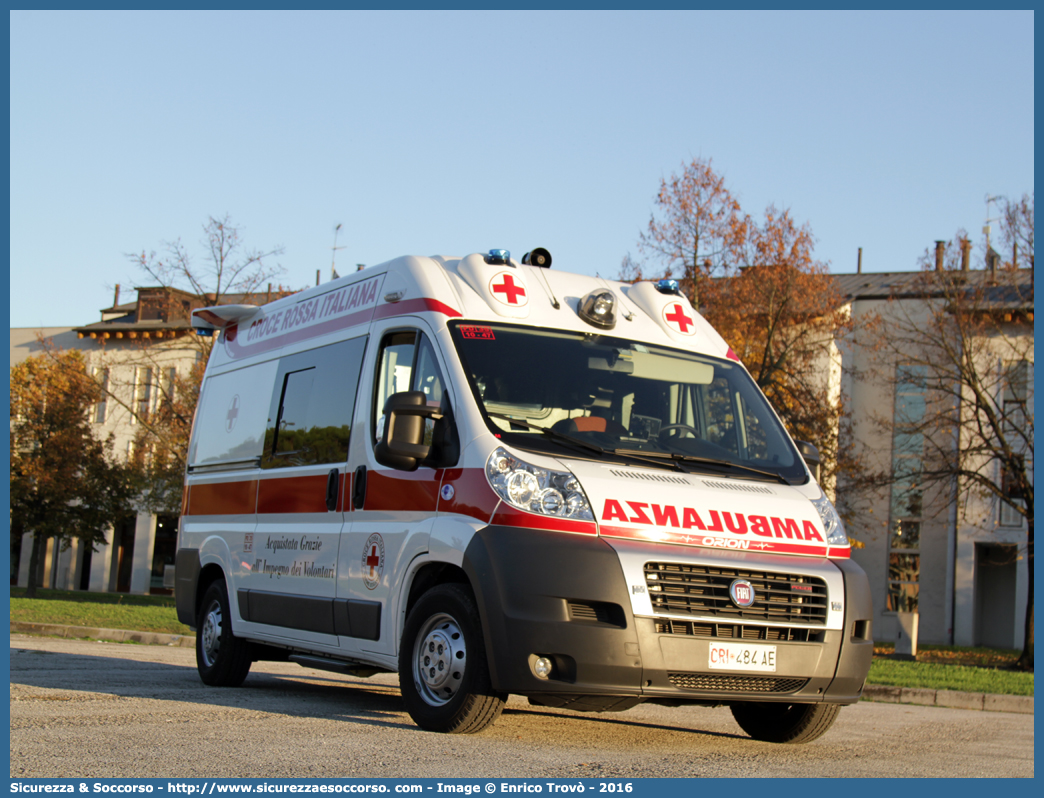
(593, 447)
(691, 458)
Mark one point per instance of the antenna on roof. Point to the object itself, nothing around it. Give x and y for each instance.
(333, 271)
(986, 227)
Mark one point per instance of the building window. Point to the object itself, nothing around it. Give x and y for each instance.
(142, 393)
(907, 500)
(102, 376)
(1015, 409)
(167, 389)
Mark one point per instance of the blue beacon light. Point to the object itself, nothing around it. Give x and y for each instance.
(668, 287)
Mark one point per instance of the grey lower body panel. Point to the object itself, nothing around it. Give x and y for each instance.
(564, 597)
(186, 579)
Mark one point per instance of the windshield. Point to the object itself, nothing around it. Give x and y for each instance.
(544, 389)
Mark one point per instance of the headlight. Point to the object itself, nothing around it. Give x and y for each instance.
(537, 490)
(836, 535)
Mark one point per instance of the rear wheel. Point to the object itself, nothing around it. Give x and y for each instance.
(785, 723)
(443, 672)
(222, 658)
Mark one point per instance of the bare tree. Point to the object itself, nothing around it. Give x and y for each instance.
(151, 374)
(958, 344)
(228, 267)
(1017, 230)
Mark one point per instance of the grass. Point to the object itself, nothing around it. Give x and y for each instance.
(973, 670)
(935, 676)
(978, 670)
(103, 610)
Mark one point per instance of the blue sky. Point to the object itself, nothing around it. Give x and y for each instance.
(455, 132)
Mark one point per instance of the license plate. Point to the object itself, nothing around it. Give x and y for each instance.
(743, 657)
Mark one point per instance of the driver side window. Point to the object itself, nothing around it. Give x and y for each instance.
(406, 362)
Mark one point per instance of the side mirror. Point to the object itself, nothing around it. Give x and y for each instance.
(402, 447)
(810, 454)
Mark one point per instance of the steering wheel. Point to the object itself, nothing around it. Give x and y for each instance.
(683, 427)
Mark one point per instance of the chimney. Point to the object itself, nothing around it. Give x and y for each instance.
(940, 250)
(116, 298)
(965, 254)
(268, 295)
(317, 276)
(859, 262)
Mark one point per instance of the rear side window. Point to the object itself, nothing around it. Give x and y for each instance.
(310, 419)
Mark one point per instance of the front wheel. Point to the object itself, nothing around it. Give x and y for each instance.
(785, 723)
(443, 672)
(223, 660)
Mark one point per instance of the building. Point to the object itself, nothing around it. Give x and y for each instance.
(953, 555)
(137, 350)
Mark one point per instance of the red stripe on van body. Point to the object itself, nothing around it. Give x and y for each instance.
(472, 494)
(424, 304)
(296, 494)
(403, 491)
(507, 515)
(223, 498)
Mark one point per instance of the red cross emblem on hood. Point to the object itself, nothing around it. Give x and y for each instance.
(675, 316)
(507, 290)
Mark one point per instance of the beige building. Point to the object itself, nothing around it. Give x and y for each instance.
(950, 553)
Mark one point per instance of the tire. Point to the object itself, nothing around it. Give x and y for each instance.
(443, 671)
(223, 660)
(785, 723)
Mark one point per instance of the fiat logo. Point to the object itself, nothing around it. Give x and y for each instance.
(742, 593)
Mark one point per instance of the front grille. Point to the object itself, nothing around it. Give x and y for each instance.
(677, 589)
(735, 684)
(597, 612)
(737, 631)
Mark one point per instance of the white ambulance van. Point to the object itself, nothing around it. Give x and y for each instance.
(494, 477)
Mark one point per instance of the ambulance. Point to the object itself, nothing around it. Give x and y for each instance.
(494, 477)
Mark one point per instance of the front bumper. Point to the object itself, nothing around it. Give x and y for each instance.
(564, 597)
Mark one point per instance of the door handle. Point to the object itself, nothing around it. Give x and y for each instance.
(359, 488)
(332, 483)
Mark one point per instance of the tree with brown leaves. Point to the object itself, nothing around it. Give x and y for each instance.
(695, 227)
(783, 315)
(760, 286)
(65, 483)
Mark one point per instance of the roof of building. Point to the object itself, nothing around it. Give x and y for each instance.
(162, 312)
(1012, 290)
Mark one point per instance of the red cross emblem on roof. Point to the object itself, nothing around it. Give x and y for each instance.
(507, 290)
(674, 315)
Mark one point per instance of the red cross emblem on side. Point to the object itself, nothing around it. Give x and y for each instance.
(677, 319)
(508, 290)
(373, 561)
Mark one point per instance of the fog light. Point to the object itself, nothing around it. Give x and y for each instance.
(542, 667)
